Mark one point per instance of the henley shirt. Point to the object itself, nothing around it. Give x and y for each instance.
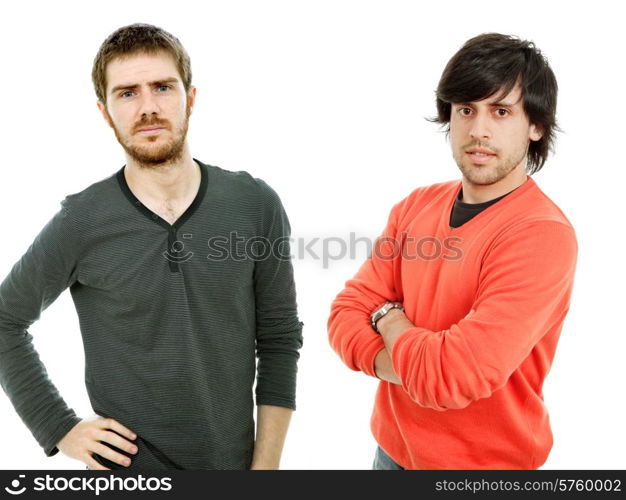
(172, 317)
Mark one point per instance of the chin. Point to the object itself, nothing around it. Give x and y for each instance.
(480, 178)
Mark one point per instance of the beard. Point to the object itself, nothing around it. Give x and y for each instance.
(150, 155)
(498, 168)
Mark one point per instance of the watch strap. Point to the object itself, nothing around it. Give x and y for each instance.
(382, 311)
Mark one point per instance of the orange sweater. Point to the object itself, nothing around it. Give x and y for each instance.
(488, 299)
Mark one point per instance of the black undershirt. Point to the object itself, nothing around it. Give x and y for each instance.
(462, 212)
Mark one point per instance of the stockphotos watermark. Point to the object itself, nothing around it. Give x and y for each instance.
(327, 249)
(95, 485)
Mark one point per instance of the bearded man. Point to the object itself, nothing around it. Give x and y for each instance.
(459, 309)
(172, 316)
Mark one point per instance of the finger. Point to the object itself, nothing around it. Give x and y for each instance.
(119, 428)
(117, 441)
(94, 465)
(106, 452)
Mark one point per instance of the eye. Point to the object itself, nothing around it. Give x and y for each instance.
(464, 111)
(164, 88)
(126, 93)
(502, 112)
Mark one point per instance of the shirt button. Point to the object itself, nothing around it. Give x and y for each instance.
(138, 203)
(154, 216)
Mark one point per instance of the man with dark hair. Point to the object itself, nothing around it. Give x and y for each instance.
(459, 308)
(171, 318)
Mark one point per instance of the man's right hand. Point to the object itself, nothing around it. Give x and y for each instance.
(91, 435)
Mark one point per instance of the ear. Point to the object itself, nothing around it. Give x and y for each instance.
(535, 133)
(105, 113)
(191, 98)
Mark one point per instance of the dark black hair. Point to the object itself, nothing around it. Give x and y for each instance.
(493, 63)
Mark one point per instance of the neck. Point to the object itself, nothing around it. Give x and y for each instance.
(480, 193)
(175, 180)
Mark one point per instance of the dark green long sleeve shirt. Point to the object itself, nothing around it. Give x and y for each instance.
(173, 319)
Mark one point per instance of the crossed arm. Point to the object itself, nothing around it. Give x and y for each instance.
(390, 326)
(524, 290)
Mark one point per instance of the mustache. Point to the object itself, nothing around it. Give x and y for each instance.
(154, 122)
(480, 145)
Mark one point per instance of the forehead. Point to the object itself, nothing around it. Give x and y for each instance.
(135, 69)
(512, 98)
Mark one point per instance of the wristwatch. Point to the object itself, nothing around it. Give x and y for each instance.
(382, 310)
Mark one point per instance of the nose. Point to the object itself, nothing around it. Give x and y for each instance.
(480, 126)
(148, 104)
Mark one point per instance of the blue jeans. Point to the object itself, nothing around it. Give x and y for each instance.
(382, 461)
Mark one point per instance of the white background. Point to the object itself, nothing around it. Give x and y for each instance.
(326, 101)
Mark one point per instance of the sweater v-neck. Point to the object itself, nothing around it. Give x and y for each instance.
(154, 217)
(487, 212)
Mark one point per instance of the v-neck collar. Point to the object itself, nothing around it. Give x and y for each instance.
(508, 198)
(204, 180)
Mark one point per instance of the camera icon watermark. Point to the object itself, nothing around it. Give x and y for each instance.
(15, 484)
(176, 252)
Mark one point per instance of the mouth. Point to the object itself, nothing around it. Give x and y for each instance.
(150, 130)
(480, 156)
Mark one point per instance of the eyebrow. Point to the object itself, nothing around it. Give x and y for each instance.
(503, 104)
(135, 85)
(497, 104)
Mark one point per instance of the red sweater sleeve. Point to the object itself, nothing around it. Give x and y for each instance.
(349, 329)
(525, 284)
